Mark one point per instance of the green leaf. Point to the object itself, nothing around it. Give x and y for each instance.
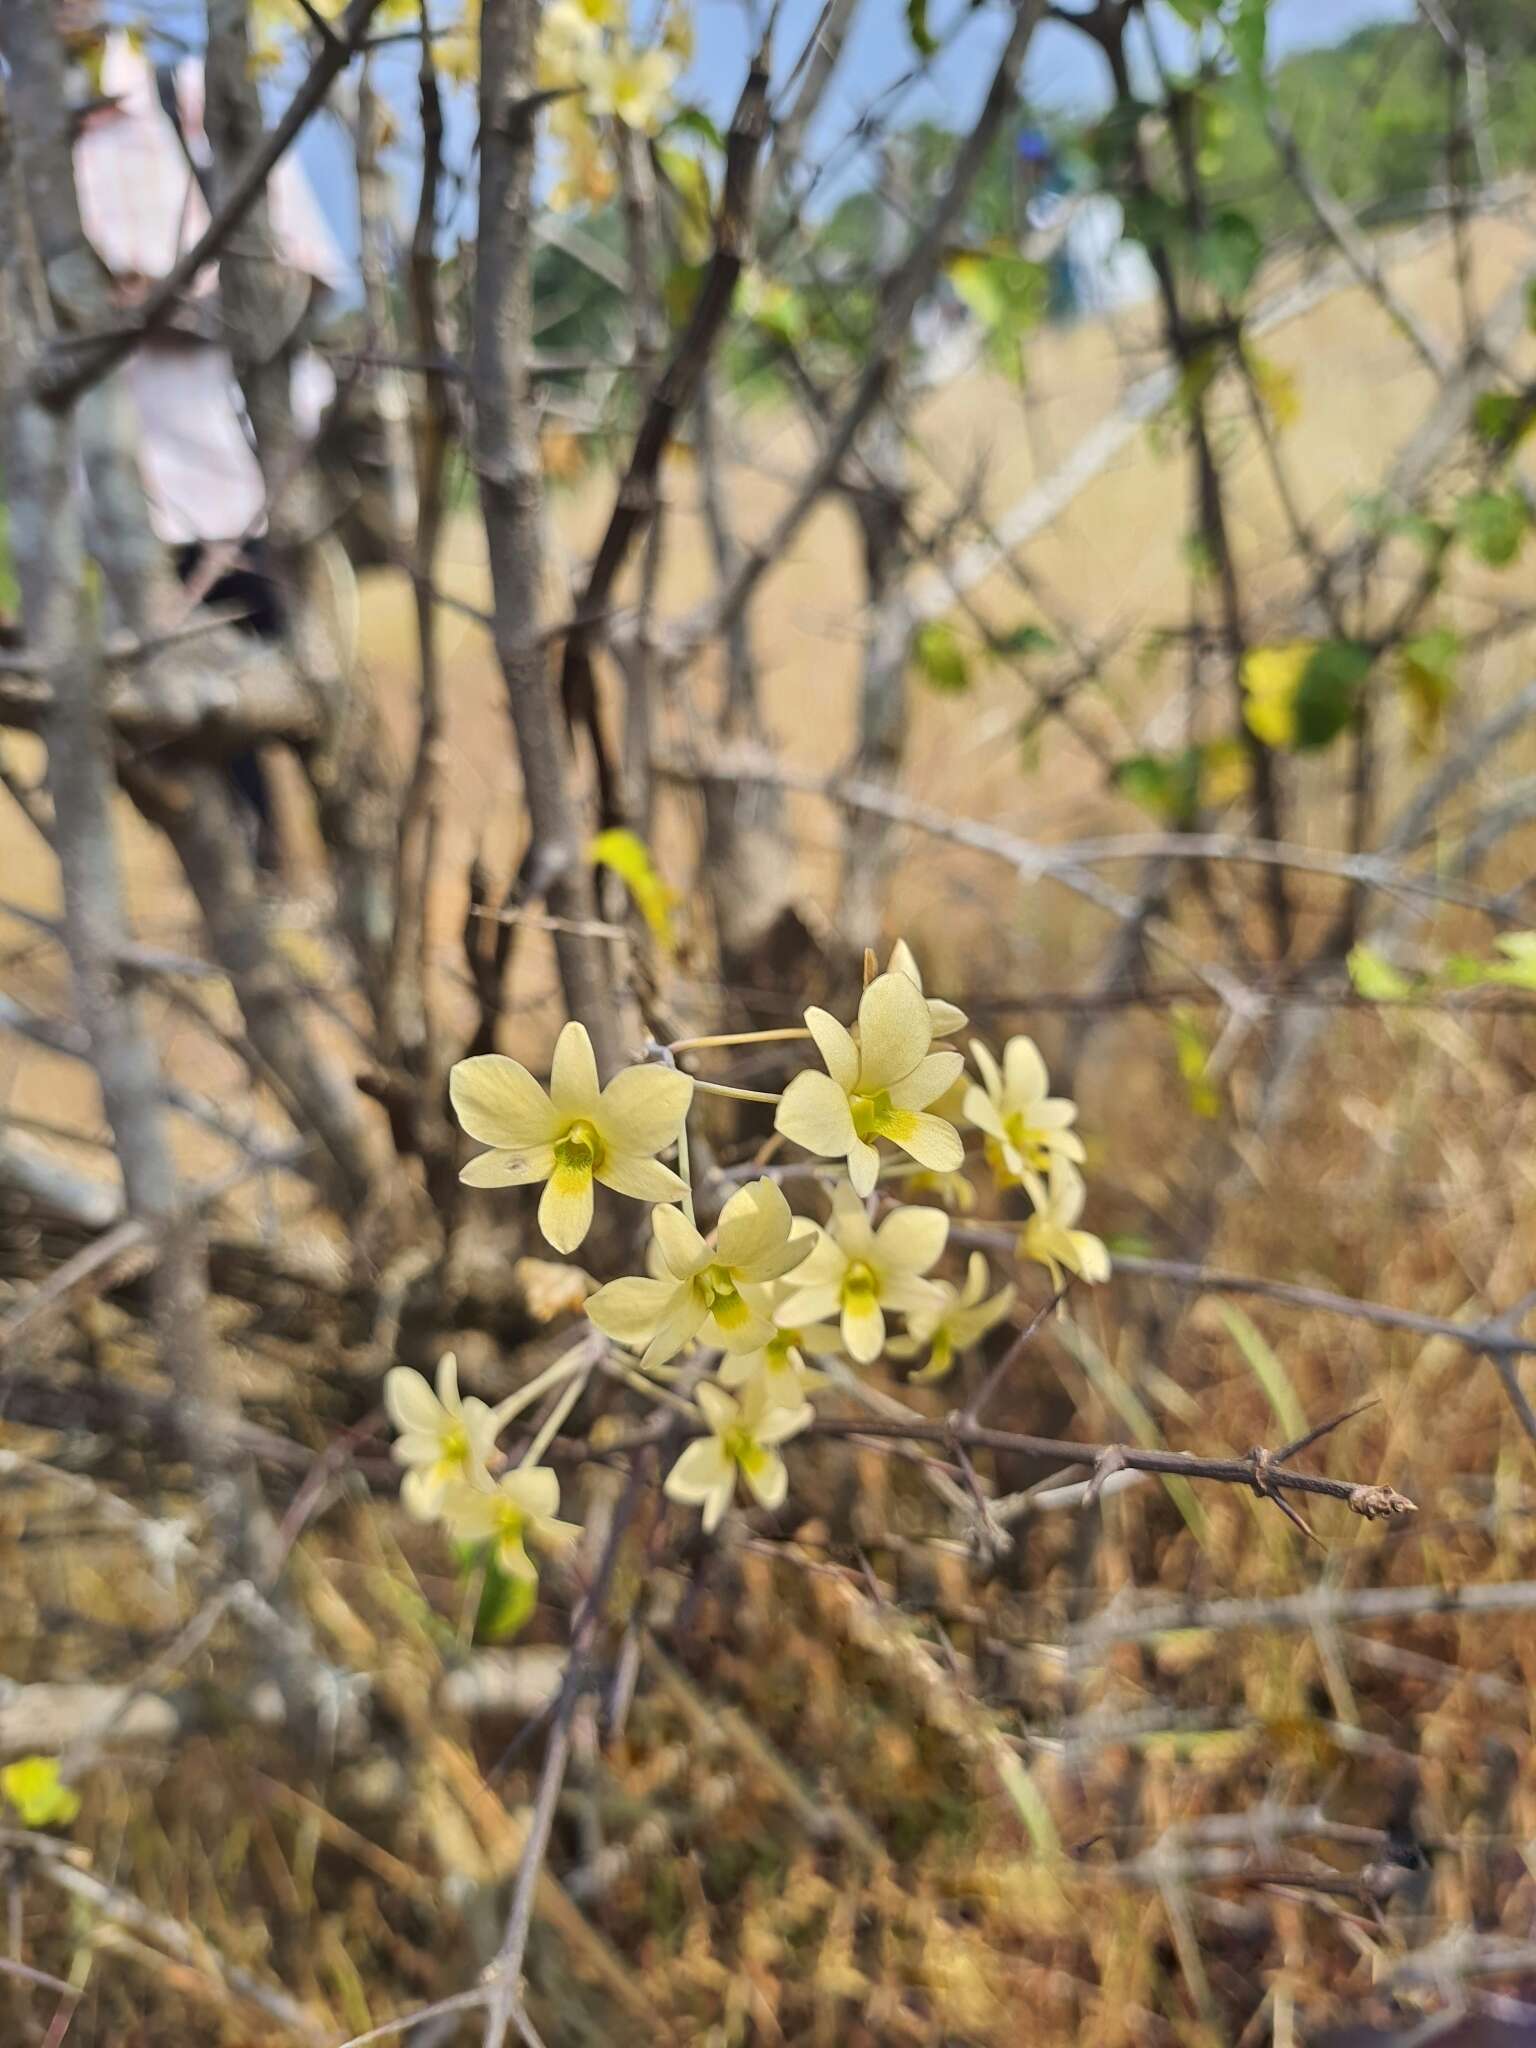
(1376, 980)
(33, 1787)
(1426, 675)
(1193, 1052)
(1329, 693)
(1228, 253)
(941, 660)
(917, 28)
(1248, 34)
(505, 1605)
(1007, 293)
(694, 121)
(1492, 523)
(1518, 967)
(626, 854)
(1166, 785)
(1024, 640)
(1503, 419)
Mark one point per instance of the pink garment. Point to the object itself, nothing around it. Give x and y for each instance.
(142, 209)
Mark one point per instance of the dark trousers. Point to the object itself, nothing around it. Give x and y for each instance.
(246, 588)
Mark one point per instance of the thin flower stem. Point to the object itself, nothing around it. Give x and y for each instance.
(568, 1362)
(554, 1421)
(735, 1094)
(775, 1037)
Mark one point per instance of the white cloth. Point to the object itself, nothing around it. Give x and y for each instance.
(142, 209)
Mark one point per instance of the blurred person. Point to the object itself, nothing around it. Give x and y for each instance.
(142, 164)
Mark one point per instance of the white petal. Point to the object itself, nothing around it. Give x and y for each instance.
(928, 1080)
(683, 1321)
(684, 1250)
(631, 1311)
(928, 1139)
(448, 1383)
(565, 1208)
(767, 1479)
(716, 1406)
(912, 1239)
(753, 1223)
(500, 1103)
(987, 1067)
(533, 1488)
(643, 1108)
(1024, 1072)
(835, 1044)
(814, 1114)
(409, 1402)
(642, 1178)
(982, 1111)
(894, 1031)
(850, 1225)
(809, 1305)
(698, 1471)
(863, 1167)
(573, 1077)
(509, 1169)
(864, 1331)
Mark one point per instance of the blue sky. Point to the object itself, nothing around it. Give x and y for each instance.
(1063, 72)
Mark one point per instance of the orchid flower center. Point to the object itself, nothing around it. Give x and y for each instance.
(580, 1149)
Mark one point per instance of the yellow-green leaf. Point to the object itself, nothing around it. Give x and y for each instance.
(32, 1785)
(626, 854)
(1193, 1055)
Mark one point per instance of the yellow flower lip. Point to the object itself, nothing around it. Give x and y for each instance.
(580, 1149)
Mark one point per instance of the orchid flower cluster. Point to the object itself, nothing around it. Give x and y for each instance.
(735, 1319)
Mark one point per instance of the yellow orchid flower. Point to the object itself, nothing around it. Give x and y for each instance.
(518, 1506)
(444, 1440)
(1050, 1234)
(857, 1272)
(778, 1375)
(1025, 1126)
(947, 1329)
(876, 1086)
(714, 1291)
(570, 44)
(744, 1437)
(573, 1134)
(634, 86)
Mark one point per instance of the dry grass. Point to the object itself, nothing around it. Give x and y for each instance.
(803, 1833)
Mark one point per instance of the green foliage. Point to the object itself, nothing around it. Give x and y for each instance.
(1375, 978)
(1427, 674)
(1006, 292)
(1329, 693)
(1503, 419)
(1192, 1050)
(505, 1603)
(1175, 787)
(941, 659)
(917, 28)
(1023, 640)
(626, 855)
(1228, 253)
(1493, 525)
